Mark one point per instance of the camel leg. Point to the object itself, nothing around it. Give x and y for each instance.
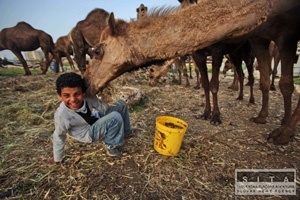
(68, 56)
(173, 71)
(190, 67)
(235, 84)
(179, 69)
(286, 83)
(237, 62)
(46, 51)
(61, 64)
(52, 54)
(200, 59)
(198, 82)
(23, 61)
(185, 74)
(261, 49)
(249, 60)
(287, 47)
(274, 71)
(70, 61)
(283, 134)
(214, 86)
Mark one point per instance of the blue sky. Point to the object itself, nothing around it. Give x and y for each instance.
(58, 17)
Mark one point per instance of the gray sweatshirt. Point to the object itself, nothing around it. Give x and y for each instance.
(68, 121)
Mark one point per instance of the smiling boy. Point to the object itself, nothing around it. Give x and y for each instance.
(87, 119)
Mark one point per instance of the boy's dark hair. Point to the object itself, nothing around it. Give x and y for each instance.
(71, 80)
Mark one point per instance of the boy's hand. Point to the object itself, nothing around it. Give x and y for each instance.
(51, 161)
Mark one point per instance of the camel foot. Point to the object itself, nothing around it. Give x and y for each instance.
(282, 135)
(251, 101)
(284, 120)
(273, 88)
(258, 120)
(205, 116)
(240, 98)
(216, 123)
(215, 120)
(233, 88)
(197, 87)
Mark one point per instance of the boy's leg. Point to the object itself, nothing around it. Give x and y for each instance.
(121, 107)
(110, 129)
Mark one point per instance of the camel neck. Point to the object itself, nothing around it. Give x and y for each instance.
(175, 34)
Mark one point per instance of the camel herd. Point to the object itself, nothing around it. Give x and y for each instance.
(190, 30)
(199, 28)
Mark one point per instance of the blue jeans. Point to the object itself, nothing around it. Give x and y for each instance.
(112, 125)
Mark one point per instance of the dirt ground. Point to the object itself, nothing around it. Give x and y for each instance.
(203, 169)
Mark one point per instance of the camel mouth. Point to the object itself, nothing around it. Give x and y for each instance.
(93, 90)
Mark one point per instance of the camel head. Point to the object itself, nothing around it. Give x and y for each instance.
(158, 71)
(228, 66)
(112, 57)
(106, 63)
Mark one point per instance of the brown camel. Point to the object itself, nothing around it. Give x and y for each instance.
(122, 45)
(239, 51)
(274, 53)
(23, 37)
(158, 71)
(64, 49)
(284, 30)
(86, 34)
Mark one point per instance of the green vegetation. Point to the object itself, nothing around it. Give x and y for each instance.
(12, 71)
(297, 80)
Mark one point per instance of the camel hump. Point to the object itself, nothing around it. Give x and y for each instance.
(97, 12)
(24, 24)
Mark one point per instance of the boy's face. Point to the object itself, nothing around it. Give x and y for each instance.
(72, 97)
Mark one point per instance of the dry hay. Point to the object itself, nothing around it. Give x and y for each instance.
(203, 169)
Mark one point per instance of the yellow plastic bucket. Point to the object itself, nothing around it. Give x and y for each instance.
(169, 134)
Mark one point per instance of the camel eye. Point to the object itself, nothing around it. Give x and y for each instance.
(98, 51)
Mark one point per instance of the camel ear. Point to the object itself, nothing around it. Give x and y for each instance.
(112, 24)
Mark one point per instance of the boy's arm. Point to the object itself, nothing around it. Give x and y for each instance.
(59, 139)
(97, 103)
